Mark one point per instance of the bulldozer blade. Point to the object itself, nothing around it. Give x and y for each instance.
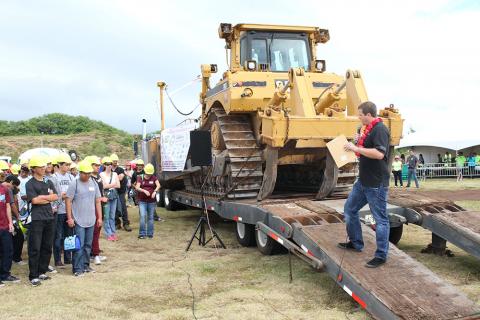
(270, 175)
(330, 177)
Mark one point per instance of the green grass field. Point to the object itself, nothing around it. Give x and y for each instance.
(155, 279)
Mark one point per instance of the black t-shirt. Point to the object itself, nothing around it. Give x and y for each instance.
(373, 172)
(123, 182)
(35, 188)
(135, 174)
(99, 182)
(412, 162)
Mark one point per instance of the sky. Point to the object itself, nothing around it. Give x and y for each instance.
(102, 59)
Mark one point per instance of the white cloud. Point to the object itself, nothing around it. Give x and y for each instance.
(102, 59)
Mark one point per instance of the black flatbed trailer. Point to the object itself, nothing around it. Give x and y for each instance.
(401, 289)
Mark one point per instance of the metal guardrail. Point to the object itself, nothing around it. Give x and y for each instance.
(446, 170)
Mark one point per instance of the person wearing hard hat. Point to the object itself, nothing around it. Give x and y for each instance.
(147, 186)
(96, 163)
(4, 170)
(6, 232)
(15, 169)
(84, 211)
(73, 169)
(40, 193)
(22, 195)
(110, 185)
(139, 165)
(128, 173)
(63, 178)
(122, 190)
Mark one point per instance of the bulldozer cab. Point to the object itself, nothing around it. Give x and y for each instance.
(272, 48)
(275, 51)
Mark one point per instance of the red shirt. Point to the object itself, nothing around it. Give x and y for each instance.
(146, 184)
(4, 199)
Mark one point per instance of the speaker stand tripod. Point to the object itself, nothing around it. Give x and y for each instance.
(201, 227)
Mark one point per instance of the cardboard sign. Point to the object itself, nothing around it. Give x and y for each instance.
(340, 156)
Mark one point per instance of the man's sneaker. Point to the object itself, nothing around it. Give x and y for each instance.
(51, 270)
(97, 260)
(11, 279)
(375, 262)
(348, 246)
(2, 284)
(78, 274)
(127, 228)
(89, 270)
(103, 258)
(59, 264)
(150, 237)
(44, 277)
(141, 237)
(20, 263)
(35, 282)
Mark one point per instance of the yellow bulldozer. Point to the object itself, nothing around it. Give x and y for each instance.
(272, 113)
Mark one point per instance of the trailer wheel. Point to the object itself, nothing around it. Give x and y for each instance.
(170, 205)
(161, 198)
(396, 234)
(265, 244)
(245, 234)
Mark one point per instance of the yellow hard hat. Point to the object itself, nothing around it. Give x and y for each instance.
(85, 167)
(93, 160)
(140, 162)
(106, 160)
(149, 169)
(4, 165)
(37, 161)
(15, 169)
(114, 157)
(63, 158)
(53, 160)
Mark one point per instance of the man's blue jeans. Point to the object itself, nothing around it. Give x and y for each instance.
(147, 210)
(81, 257)
(412, 173)
(377, 201)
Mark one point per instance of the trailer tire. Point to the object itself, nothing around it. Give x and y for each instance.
(170, 205)
(245, 234)
(161, 198)
(396, 234)
(265, 244)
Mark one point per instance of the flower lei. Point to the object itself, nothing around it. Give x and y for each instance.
(366, 132)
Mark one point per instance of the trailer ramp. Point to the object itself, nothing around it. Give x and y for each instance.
(401, 289)
(446, 220)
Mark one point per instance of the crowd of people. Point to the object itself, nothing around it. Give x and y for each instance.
(463, 165)
(60, 207)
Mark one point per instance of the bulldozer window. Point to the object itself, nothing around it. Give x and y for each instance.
(281, 51)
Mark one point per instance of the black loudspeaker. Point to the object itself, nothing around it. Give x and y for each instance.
(200, 148)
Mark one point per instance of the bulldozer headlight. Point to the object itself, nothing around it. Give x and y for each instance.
(251, 65)
(320, 65)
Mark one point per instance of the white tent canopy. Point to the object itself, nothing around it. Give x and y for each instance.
(48, 152)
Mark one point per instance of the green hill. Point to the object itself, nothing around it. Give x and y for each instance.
(57, 130)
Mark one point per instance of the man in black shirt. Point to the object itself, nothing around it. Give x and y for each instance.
(372, 185)
(40, 194)
(121, 202)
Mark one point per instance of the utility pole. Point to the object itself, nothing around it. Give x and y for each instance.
(162, 85)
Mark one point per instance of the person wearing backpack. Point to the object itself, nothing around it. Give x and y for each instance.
(110, 184)
(147, 186)
(84, 211)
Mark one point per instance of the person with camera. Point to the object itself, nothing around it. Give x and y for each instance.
(110, 185)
